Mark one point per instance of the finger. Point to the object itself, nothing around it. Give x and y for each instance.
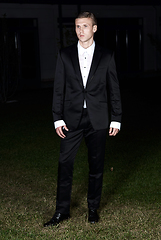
(65, 127)
(114, 132)
(110, 130)
(60, 132)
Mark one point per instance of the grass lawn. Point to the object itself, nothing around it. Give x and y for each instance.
(29, 148)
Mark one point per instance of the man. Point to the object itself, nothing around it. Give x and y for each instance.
(85, 79)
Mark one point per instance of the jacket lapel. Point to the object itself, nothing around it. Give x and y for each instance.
(75, 62)
(96, 59)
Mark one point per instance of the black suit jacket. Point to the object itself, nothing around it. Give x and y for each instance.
(101, 93)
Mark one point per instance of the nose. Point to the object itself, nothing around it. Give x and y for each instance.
(81, 30)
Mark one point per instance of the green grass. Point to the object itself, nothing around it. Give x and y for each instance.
(29, 150)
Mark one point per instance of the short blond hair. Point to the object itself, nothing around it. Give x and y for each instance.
(88, 15)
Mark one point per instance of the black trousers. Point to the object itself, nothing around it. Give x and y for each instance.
(95, 141)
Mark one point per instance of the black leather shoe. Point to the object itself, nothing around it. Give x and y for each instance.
(93, 216)
(56, 219)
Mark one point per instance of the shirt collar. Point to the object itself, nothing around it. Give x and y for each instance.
(89, 50)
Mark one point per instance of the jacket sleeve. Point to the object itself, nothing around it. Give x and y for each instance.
(114, 92)
(58, 90)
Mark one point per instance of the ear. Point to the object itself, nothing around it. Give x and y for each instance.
(94, 28)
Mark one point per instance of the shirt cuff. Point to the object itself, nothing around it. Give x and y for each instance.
(59, 123)
(115, 125)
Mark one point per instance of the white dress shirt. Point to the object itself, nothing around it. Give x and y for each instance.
(85, 56)
(85, 59)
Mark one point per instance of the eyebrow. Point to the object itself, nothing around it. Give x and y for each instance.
(82, 24)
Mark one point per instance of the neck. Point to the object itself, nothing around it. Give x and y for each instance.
(86, 44)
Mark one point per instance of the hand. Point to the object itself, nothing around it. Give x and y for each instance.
(59, 131)
(113, 131)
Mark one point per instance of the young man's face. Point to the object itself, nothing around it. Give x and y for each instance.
(85, 29)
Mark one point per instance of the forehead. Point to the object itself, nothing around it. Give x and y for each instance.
(83, 21)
